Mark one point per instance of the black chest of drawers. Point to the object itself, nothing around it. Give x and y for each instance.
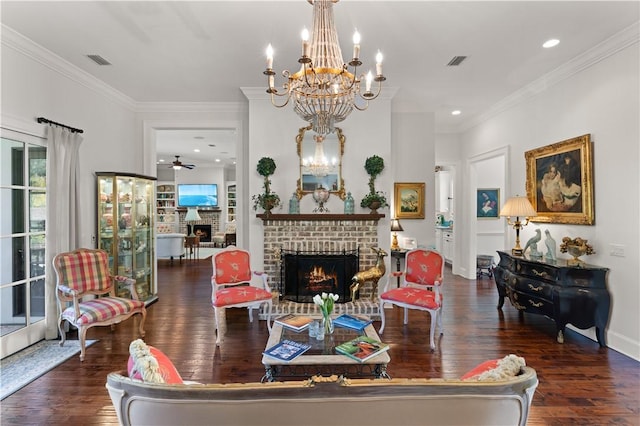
(566, 294)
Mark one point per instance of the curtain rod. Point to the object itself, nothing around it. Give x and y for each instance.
(47, 121)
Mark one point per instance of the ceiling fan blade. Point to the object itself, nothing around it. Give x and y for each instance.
(189, 166)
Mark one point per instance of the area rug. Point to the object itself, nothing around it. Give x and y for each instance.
(22, 368)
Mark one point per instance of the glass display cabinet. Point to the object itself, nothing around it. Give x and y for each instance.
(126, 227)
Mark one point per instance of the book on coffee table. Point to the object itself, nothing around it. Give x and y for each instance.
(287, 350)
(294, 322)
(350, 321)
(362, 348)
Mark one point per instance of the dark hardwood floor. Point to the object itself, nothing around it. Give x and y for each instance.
(580, 383)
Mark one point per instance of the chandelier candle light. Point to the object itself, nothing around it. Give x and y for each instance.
(326, 301)
(324, 90)
(318, 165)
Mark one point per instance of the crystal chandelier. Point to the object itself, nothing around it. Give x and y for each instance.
(318, 165)
(324, 90)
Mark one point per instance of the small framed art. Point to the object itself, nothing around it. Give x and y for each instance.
(488, 204)
(409, 200)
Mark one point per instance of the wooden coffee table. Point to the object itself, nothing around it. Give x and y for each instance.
(322, 358)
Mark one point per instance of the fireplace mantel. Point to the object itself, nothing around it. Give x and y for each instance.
(320, 216)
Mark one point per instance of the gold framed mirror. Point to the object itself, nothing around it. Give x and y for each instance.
(330, 147)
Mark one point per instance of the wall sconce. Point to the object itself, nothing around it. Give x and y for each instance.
(395, 227)
(192, 216)
(518, 207)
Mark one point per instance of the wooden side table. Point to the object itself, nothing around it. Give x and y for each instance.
(192, 244)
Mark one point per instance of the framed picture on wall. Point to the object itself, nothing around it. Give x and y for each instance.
(560, 181)
(488, 204)
(409, 200)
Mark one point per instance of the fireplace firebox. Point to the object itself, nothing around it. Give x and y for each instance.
(305, 274)
(202, 231)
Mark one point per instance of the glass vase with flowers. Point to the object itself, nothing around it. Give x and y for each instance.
(326, 301)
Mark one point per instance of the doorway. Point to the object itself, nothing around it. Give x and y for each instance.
(488, 192)
(22, 241)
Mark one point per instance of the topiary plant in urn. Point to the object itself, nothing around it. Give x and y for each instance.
(267, 200)
(374, 200)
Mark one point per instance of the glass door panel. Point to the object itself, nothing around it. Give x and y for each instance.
(22, 241)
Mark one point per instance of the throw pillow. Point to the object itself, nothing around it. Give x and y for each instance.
(479, 369)
(496, 369)
(151, 365)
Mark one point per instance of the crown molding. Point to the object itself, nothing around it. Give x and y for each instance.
(27, 47)
(215, 107)
(620, 41)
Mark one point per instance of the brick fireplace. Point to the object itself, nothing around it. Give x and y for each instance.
(209, 223)
(320, 233)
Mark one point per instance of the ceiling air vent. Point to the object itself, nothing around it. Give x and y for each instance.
(98, 59)
(456, 60)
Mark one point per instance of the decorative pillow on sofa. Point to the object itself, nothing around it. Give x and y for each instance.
(164, 229)
(150, 365)
(496, 369)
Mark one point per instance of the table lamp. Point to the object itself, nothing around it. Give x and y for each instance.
(395, 227)
(517, 207)
(192, 216)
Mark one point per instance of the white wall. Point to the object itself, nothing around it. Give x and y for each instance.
(601, 100)
(413, 160)
(31, 88)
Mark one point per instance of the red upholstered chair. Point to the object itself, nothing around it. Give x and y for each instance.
(85, 272)
(232, 287)
(420, 288)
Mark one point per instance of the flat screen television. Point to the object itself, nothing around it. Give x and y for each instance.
(203, 195)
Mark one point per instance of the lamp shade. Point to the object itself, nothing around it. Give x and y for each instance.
(192, 214)
(518, 207)
(395, 225)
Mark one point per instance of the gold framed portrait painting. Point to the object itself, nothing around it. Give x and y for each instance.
(409, 200)
(560, 181)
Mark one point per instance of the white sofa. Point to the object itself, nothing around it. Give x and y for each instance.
(170, 245)
(345, 402)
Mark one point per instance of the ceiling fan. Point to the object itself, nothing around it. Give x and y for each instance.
(177, 164)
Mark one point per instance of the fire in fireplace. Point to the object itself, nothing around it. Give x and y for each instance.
(306, 274)
(202, 231)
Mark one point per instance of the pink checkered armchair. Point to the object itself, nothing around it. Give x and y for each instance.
(232, 288)
(421, 288)
(85, 272)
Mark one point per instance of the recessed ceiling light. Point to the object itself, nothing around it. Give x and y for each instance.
(456, 112)
(196, 150)
(198, 137)
(217, 160)
(550, 43)
(161, 160)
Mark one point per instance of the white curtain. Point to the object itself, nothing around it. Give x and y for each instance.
(63, 218)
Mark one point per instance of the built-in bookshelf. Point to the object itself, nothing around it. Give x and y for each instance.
(231, 201)
(166, 206)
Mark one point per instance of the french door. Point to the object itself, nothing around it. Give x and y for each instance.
(22, 241)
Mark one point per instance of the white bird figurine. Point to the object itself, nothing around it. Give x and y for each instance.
(550, 243)
(533, 244)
